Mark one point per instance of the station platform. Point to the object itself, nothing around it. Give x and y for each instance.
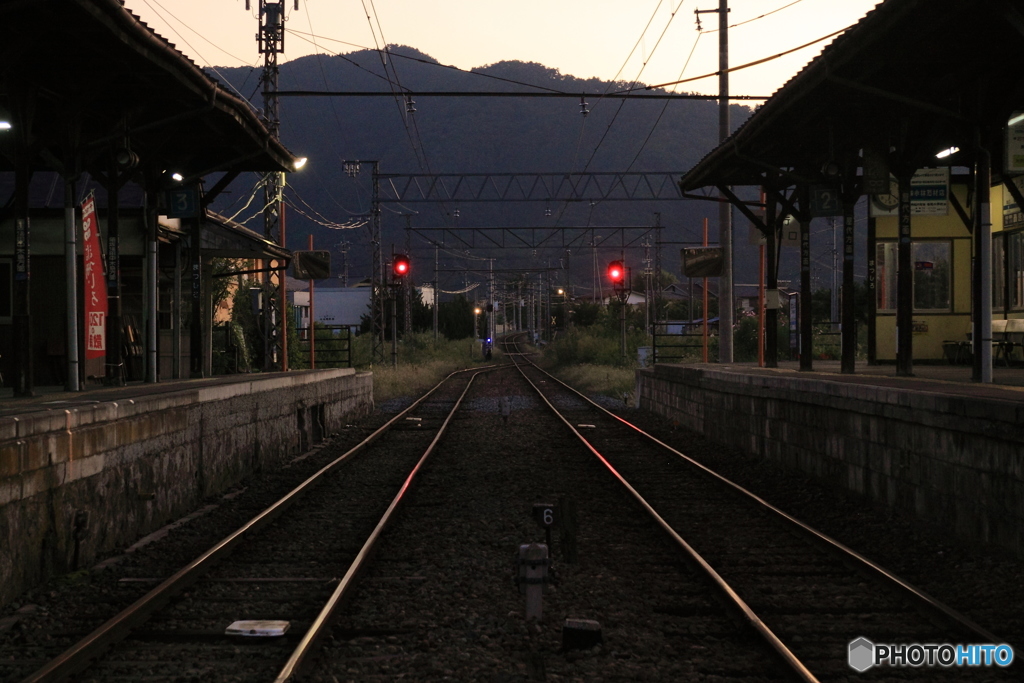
(162, 448)
(58, 398)
(936, 445)
(1007, 382)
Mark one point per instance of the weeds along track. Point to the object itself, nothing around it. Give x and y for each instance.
(293, 563)
(807, 594)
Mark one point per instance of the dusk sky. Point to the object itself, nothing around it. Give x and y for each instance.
(580, 38)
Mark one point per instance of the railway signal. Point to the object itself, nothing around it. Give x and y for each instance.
(400, 265)
(616, 272)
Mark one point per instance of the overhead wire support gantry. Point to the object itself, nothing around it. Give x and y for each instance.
(532, 187)
(271, 43)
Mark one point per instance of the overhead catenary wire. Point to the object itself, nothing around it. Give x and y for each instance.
(622, 103)
(430, 63)
(579, 140)
(664, 108)
(197, 53)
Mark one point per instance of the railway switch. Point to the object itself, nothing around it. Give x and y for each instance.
(533, 576)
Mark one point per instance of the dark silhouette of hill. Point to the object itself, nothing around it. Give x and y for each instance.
(474, 135)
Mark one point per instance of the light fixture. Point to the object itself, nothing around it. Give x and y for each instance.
(947, 152)
(299, 163)
(177, 177)
(5, 125)
(126, 159)
(1015, 120)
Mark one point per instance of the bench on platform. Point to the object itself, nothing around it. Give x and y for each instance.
(1007, 335)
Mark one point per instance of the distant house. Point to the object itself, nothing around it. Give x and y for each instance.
(336, 306)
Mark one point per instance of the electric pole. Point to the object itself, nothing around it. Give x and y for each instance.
(725, 297)
(271, 43)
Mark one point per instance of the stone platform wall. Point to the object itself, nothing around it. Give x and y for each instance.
(951, 460)
(79, 482)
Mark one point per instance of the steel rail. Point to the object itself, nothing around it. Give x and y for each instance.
(749, 616)
(322, 622)
(933, 605)
(78, 656)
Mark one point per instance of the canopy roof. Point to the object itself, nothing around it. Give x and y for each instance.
(913, 77)
(79, 68)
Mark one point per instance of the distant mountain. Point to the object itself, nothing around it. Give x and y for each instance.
(474, 135)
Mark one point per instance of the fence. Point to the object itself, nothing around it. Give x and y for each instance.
(332, 346)
(675, 342)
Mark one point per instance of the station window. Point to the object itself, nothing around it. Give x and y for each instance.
(6, 291)
(998, 271)
(932, 263)
(1015, 268)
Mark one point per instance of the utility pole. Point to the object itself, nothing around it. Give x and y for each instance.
(271, 43)
(343, 248)
(407, 281)
(725, 297)
(437, 284)
(378, 287)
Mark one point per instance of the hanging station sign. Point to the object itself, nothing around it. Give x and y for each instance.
(95, 286)
(1012, 215)
(1015, 143)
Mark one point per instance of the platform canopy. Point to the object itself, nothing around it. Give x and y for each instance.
(912, 78)
(89, 71)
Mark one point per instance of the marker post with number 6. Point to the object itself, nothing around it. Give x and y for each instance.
(546, 516)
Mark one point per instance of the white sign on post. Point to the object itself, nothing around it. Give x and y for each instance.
(1015, 143)
(929, 195)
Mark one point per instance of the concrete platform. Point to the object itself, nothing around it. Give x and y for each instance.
(83, 473)
(936, 445)
(1007, 382)
(56, 397)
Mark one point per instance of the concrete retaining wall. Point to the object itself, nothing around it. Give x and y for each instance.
(79, 482)
(953, 460)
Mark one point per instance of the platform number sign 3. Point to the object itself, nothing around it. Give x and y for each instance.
(182, 202)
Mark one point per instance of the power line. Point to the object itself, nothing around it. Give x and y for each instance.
(754, 63)
(766, 14)
(302, 36)
(635, 81)
(429, 63)
(198, 54)
(664, 108)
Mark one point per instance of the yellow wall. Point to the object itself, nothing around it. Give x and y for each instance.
(952, 326)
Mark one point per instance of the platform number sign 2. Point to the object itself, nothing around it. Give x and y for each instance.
(825, 201)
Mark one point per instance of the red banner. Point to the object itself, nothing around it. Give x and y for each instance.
(95, 283)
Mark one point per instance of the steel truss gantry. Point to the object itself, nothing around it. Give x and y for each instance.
(530, 187)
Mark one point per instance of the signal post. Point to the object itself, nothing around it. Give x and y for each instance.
(400, 268)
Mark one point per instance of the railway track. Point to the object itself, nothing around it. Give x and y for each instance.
(438, 601)
(285, 571)
(804, 593)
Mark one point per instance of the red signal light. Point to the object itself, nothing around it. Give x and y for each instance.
(616, 272)
(400, 265)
